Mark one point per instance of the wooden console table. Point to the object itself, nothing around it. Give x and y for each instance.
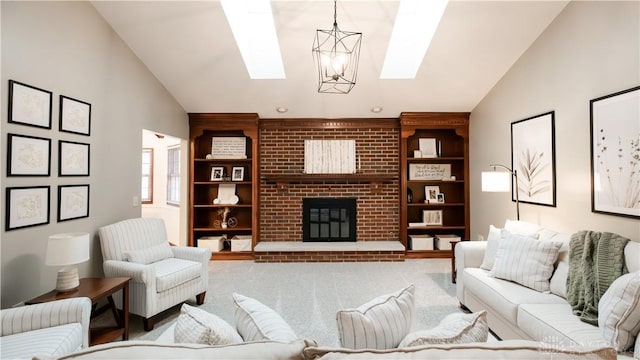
(97, 289)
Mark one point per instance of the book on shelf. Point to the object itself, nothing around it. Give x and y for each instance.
(417, 224)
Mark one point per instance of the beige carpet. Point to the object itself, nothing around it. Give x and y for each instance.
(307, 295)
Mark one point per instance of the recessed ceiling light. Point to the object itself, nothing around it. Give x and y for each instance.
(416, 23)
(376, 109)
(282, 109)
(251, 22)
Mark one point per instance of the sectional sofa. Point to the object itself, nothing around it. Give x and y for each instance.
(519, 312)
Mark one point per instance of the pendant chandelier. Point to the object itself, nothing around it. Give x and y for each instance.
(336, 55)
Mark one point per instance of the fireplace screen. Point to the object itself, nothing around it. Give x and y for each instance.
(329, 219)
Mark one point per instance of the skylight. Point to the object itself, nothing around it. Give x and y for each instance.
(416, 23)
(251, 22)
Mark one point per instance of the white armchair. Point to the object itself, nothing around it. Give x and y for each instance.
(161, 275)
(45, 330)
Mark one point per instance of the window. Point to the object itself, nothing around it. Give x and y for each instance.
(173, 175)
(147, 176)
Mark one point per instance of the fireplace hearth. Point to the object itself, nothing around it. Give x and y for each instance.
(328, 219)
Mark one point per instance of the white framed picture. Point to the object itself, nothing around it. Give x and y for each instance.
(419, 171)
(217, 173)
(237, 174)
(432, 217)
(431, 193)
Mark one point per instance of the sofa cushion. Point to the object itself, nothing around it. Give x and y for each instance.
(619, 311)
(456, 328)
(377, 324)
(493, 240)
(47, 342)
(503, 296)
(558, 282)
(526, 261)
(523, 228)
(173, 272)
(509, 349)
(256, 321)
(201, 327)
(556, 324)
(150, 254)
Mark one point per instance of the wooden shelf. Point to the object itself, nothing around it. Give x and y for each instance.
(229, 229)
(375, 180)
(434, 204)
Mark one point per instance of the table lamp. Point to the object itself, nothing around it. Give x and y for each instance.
(498, 181)
(67, 250)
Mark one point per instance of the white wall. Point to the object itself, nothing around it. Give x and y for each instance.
(67, 48)
(590, 50)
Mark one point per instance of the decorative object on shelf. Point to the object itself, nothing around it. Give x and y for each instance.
(428, 147)
(232, 221)
(533, 156)
(229, 147)
(431, 193)
(409, 196)
(26, 206)
(429, 171)
(498, 181)
(73, 202)
(336, 54)
(217, 173)
(73, 158)
(615, 153)
(28, 156)
(441, 198)
(29, 105)
(237, 174)
(66, 250)
(75, 116)
(226, 195)
(208, 157)
(224, 214)
(417, 154)
(432, 217)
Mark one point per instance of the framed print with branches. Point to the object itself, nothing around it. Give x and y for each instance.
(533, 157)
(615, 153)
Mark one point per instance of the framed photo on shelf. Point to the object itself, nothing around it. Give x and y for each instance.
(431, 193)
(75, 116)
(533, 156)
(28, 156)
(26, 207)
(432, 217)
(615, 147)
(237, 174)
(73, 158)
(73, 202)
(428, 147)
(441, 197)
(29, 105)
(217, 173)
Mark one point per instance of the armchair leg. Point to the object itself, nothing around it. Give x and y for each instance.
(200, 298)
(149, 323)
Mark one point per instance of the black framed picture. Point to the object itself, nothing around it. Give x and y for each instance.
(28, 155)
(75, 116)
(26, 206)
(615, 153)
(29, 105)
(533, 157)
(73, 202)
(73, 158)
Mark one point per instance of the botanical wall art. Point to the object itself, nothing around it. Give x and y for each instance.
(533, 157)
(73, 202)
(26, 206)
(28, 156)
(29, 105)
(75, 116)
(73, 158)
(615, 153)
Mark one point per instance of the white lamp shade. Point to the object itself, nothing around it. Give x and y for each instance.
(496, 181)
(67, 249)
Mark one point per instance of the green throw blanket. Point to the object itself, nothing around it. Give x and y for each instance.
(595, 261)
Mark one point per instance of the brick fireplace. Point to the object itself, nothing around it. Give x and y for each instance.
(282, 157)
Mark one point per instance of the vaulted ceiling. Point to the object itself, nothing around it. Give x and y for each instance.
(189, 47)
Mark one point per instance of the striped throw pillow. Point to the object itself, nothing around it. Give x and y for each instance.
(149, 255)
(381, 323)
(527, 261)
(456, 328)
(256, 321)
(197, 326)
(619, 312)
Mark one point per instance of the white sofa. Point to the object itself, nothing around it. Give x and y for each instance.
(517, 312)
(49, 329)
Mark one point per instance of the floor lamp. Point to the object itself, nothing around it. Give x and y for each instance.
(498, 181)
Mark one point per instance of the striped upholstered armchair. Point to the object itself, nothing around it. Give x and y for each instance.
(161, 275)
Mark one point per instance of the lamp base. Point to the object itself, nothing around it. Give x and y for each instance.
(68, 279)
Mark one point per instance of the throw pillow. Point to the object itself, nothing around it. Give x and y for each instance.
(558, 282)
(619, 311)
(457, 328)
(200, 327)
(493, 240)
(522, 228)
(377, 324)
(527, 261)
(149, 255)
(256, 321)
